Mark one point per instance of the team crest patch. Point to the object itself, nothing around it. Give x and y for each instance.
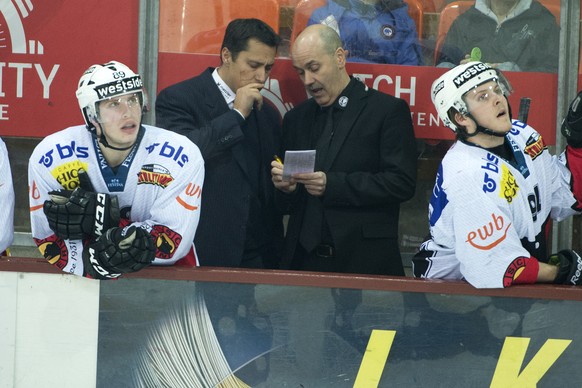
(167, 241)
(54, 251)
(154, 174)
(534, 146)
(513, 271)
(509, 187)
(387, 31)
(67, 174)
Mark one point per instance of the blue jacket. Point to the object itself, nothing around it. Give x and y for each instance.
(372, 34)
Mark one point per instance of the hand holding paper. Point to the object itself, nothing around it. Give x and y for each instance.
(298, 162)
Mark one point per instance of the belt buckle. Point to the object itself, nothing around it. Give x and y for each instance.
(324, 251)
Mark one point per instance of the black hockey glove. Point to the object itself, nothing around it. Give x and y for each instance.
(84, 181)
(572, 123)
(569, 267)
(80, 213)
(119, 251)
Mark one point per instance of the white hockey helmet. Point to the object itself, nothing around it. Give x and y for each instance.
(103, 81)
(448, 90)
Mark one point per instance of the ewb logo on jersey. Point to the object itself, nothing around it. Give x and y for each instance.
(193, 191)
(489, 235)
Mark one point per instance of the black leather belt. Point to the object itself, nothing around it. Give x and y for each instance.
(325, 251)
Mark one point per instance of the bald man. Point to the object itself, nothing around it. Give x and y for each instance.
(344, 216)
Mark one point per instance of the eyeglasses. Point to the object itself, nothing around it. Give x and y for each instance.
(115, 104)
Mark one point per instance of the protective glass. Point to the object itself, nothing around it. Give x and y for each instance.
(119, 104)
(482, 95)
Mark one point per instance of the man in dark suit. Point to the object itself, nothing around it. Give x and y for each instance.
(344, 216)
(222, 111)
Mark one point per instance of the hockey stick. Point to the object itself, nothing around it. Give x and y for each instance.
(524, 103)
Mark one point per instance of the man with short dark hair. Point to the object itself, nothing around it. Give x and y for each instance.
(222, 111)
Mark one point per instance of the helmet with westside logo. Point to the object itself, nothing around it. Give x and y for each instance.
(448, 90)
(103, 81)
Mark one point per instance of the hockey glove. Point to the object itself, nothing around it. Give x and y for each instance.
(84, 181)
(119, 251)
(569, 267)
(572, 123)
(79, 213)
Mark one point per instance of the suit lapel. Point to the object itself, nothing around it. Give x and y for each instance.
(217, 106)
(352, 111)
(215, 101)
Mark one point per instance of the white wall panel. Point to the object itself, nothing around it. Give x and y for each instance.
(8, 298)
(53, 320)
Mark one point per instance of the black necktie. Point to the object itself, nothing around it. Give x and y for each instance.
(311, 229)
(324, 139)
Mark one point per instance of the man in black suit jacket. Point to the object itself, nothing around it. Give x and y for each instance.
(222, 111)
(344, 216)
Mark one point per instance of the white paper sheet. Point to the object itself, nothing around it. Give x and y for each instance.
(298, 162)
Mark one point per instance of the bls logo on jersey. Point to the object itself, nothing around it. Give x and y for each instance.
(491, 164)
(68, 174)
(64, 152)
(168, 151)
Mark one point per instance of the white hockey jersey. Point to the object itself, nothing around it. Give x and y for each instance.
(6, 200)
(486, 214)
(158, 186)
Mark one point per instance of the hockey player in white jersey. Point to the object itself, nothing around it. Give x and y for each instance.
(498, 188)
(6, 201)
(113, 196)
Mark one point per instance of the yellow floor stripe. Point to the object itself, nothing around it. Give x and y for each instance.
(374, 359)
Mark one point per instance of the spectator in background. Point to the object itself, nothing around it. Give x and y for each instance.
(377, 31)
(6, 201)
(222, 111)
(511, 35)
